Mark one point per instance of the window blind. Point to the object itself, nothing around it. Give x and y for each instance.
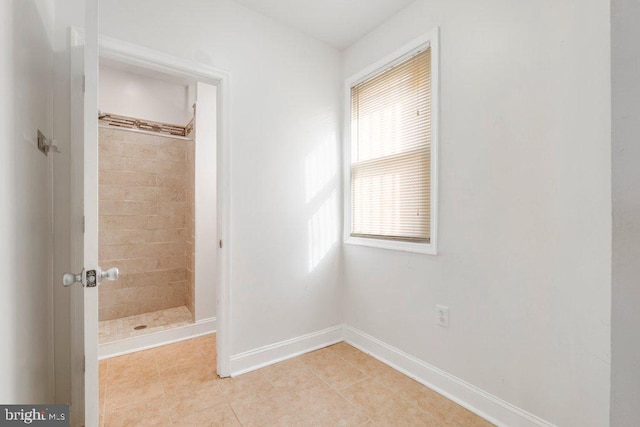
(391, 152)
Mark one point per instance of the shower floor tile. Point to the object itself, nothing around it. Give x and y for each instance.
(119, 329)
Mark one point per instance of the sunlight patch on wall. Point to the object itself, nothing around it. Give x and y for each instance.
(320, 167)
(323, 230)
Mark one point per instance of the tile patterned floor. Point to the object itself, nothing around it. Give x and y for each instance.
(175, 385)
(119, 329)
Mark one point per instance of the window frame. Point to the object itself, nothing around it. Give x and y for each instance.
(430, 39)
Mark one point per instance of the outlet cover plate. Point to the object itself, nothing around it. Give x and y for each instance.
(442, 316)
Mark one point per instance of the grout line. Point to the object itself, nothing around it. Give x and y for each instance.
(205, 347)
(335, 389)
(233, 410)
(375, 379)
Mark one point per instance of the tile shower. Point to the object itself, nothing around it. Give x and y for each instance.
(146, 226)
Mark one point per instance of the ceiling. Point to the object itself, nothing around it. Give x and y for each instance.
(340, 23)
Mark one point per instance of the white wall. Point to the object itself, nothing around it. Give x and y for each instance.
(26, 359)
(206, 208)
(525, 229)
(8, 332)
(132, 94)
(525, 190)
(284, 107)
(625, 369)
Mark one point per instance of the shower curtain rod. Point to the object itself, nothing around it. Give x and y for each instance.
(124, 122)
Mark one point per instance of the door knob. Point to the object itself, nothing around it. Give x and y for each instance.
(111, 274)
(69, 279)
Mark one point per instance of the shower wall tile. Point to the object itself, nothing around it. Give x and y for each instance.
(141, 250)
(124, 237)
(149, 279)
(175, 181)
(141, 194)
(145, 185)
(110, 148)
(128, 178)
(171, 209)
(162, 222)
(142, 222)
(139, 151)
(111, 192)
(110, 135)
(115, 208)
(173, 154)
(171, 193)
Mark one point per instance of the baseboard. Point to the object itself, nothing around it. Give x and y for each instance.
(474, 399)
(484, 404)
(260, 357)
(156, 339)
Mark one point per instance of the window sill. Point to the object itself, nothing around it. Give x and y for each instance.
(420, 248)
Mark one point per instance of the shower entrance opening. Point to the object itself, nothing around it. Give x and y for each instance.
(160, 200)
(146, 207)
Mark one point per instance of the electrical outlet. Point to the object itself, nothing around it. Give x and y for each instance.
(442, 316)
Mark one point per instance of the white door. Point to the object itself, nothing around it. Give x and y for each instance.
(84, 220)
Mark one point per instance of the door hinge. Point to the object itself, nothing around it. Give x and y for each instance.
(220, 243)
(84, 83)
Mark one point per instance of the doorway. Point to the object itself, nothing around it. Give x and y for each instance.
(85, 50)
(173, 262)
(157, 155)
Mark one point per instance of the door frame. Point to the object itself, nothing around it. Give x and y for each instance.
(132, 54)
(84, 302)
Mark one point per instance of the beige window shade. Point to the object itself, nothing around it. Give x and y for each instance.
(391, 152)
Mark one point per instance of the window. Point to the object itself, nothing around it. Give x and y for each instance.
(390, 190)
